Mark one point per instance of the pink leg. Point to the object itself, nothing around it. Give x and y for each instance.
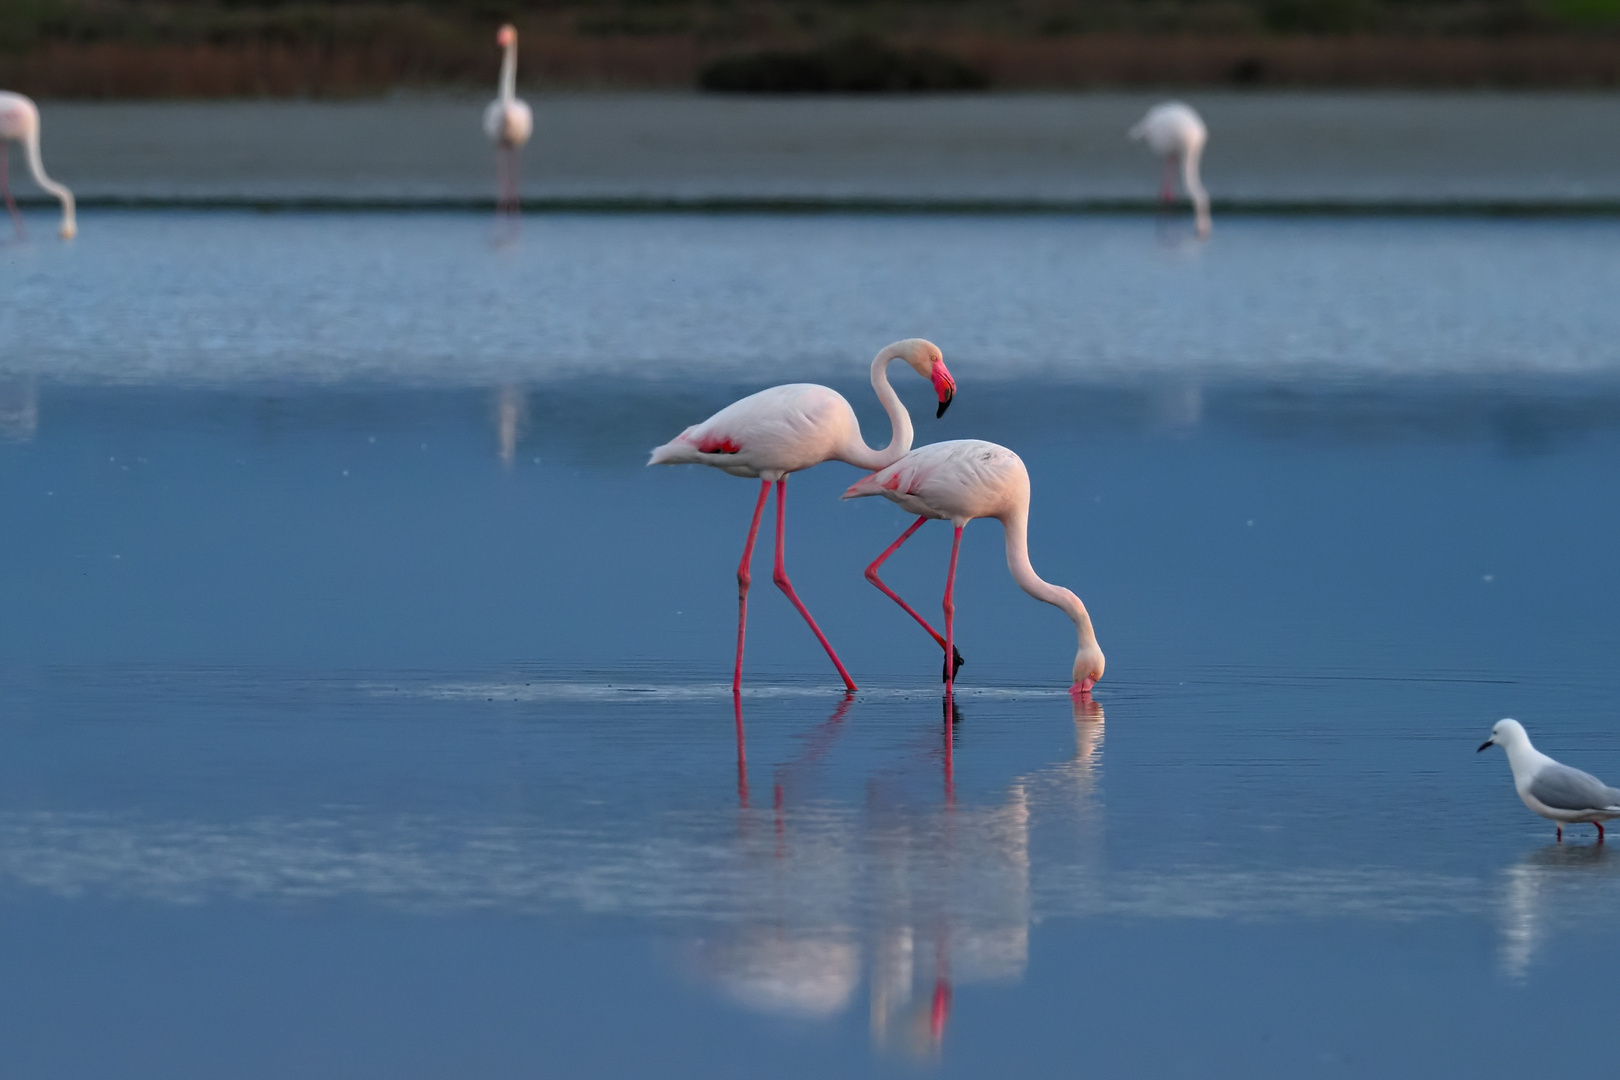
(742, 754)
(513, 164)
(743, 578)
(950, 606)
(5, 188)
(1560, 834)
(872, 576)
(786, 586)
(1599, 825)
(1167, 190)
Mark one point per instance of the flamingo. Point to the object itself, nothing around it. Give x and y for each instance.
(19, 121)
(958, 481)
(792, 427)
(1176, 131)
(508, 122)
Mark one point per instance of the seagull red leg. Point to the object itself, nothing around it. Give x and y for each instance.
(872, 576)
(743, 578)
(782, 582)
(950, 606)
(1599, 825)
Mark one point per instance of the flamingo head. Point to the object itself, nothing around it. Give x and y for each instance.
(926, 360)
(506, 36)
(1088, 668)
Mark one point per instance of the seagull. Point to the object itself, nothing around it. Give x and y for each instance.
(1554, 791)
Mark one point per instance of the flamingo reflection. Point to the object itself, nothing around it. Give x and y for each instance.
(927, 890)
(19, 409)
(511, 419)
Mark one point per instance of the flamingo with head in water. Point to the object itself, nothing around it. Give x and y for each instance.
(1175, 131)
(508, 122)
(19, 122)
(788, 428)
(958, 481)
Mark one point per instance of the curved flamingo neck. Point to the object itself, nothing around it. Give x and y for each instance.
(1194, 185)
(37, 167)
(1016, 524)
(509, 73)
(863, 456)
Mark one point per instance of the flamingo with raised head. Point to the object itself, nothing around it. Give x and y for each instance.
(958, 481)
(1174, 130)
(19, 122)
(788, 428)
(509, 123)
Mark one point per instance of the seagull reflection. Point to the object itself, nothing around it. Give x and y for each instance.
(1554, 884)
(511, 419)
(19, 409)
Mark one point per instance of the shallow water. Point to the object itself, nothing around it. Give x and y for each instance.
(359, 681)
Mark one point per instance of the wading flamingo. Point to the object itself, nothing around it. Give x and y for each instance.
(508, 122)
(958, 481)
(1176, 131)
(19, 122)
(789, 428)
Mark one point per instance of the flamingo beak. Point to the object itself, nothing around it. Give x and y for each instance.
(944, 386)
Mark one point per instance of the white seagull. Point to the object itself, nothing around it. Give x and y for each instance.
(1554, 791)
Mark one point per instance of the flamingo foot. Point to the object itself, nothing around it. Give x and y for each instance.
(956, 655)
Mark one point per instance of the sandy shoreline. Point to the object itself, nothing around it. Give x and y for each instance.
(1281, 151)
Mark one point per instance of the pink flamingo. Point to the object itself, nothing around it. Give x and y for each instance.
(19, 122)
(788, 428)
(509, 123)
(1177, 132)
(958, 481)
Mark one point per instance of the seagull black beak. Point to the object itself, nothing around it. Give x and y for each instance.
(1486, 743)
(945, 403)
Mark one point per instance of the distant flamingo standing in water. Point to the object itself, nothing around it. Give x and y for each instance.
(788, 428)
(958, 481)
(19, 122)
(1176, 131)
(508, 122)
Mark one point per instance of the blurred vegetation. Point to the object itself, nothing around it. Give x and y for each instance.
(346, 46)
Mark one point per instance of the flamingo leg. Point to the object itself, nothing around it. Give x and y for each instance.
(1599, 825)
(5, 188)
(743, 578)
(515, 162)
(950, 607)
(742, 754)
(1167, 190)
(782, 582)
(872, 576)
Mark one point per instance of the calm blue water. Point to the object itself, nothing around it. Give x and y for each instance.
(364, 705)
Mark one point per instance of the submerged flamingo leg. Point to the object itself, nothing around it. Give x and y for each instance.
(743, 578)
(950, 607)
(872, 576)
(1167, 190)
(1599, 825)
(5, 188)
(782, 582)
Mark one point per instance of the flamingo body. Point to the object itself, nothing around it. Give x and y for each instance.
(1176, 132)
(788, 428)
(959, 481)
(508, 122)
(19, 122)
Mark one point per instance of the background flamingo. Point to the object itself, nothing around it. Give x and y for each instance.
(788, 428)
(959, 481)
(1176, 131)
(509, 123)
(19, 122)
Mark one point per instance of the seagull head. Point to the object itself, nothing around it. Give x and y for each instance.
(1506, 734)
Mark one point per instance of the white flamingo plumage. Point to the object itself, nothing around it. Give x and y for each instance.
(788, 428)
(19, 122)
(958, 481)
(508, 122)
(1175, 131)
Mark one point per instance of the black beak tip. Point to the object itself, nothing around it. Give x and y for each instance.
(1485, 745)
(943, 405)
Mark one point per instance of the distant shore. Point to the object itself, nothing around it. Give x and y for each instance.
(250, 69)
(1275, 152)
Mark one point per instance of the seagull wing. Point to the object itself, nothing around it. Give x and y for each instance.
(1564, 788)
